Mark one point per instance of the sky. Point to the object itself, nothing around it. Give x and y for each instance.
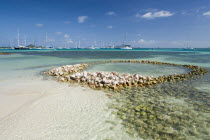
(146, 23)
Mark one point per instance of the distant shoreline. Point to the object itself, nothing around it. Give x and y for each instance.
(4, 53)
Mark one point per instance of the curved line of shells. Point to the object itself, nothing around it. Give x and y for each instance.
(114, 80)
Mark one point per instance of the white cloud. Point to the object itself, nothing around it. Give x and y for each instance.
(66, 36)
(206, 13)
(39, 25)
(69, 41)
(141, 41)
(67, 22)
(111, 13)
(145, 42)
(82, 19)
(58, 33)
(109, 27)
(157, 14)
(168, 43)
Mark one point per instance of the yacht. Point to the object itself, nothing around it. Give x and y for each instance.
(19, 47)
(92, 47)
(187, 46)
(126, 47)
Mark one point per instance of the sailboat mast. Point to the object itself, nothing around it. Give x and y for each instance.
(10, 43)
(103, 44)
(78, 44)
(95, 43)
(18, 38)
(125, 38)
(25, 41)
(46, 40)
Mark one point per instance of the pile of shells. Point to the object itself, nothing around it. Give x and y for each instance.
(108, 79)
(65, 70)
(113, 80)
(4, 53)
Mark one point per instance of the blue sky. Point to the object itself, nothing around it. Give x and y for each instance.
(148, 23)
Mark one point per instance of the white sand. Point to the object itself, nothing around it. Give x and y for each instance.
(51, 110)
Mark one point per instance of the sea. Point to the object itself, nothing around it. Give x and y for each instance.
(36, 106)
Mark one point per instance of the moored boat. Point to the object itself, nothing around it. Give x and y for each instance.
(126, 47)
(21, 48)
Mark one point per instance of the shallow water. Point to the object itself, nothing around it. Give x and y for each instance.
(166, 111)
(136, 68)
(25, 91)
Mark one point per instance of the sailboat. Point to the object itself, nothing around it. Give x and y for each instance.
(78, 46)
(46, 42)
(124, 46)
(94, 46)
(188, 46)
(19, 47)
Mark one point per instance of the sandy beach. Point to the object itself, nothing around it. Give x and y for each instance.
(56, 111)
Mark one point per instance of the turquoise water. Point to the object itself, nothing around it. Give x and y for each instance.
(134, 49)
(188, 97)
(141, 69)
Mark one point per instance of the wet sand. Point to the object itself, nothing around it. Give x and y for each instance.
(59, 112)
